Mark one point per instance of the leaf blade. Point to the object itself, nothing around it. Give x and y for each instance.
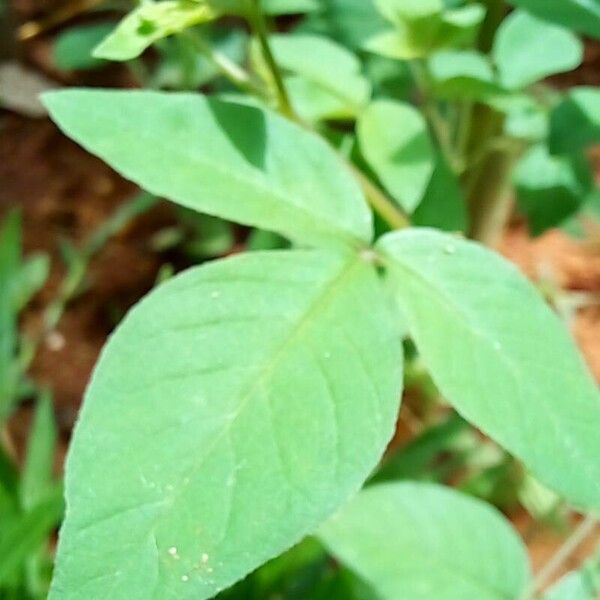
(493, 347)
(421, 541)
(528, 49)
(395, 142)
(232, 161)
(259, 441)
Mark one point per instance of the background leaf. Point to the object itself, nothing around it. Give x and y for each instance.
(10, 263)
(394, 140)
(551, 188)
(527, 49)
(346, 21)
(421, 27)
(251, 396)
(575, 122)
(443, 205)
(424, 541)
(24, 533)
(329, 67)
(500, 355)
(282, 7)
(581, 15)
(462, 74)
(36, 479)
(73, 48)
(237, 162)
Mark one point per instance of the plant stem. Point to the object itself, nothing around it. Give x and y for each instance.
(376, 197)
(496, 10)
(550, 569)
(463, 132)
(490, 200)
(379, 201)
(431, 111)
(229, 69)
(257, 20)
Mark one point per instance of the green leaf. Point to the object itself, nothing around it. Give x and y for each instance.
(528, 49)
(150, 22)
(249, 401)
(462, 74)
(581, 15)
(394, 140)
(9, 486)
(413, 11)
(551, 188)
(37, 473)
(73, 48)
(22, 535)
(349, 22)
(500, 355)
(286, 7)
(575, 122)
(422, 27)
(31, 278)
(327, 66)
(420, 458)
(443, 205)
(237, 162)
(422, 541)
(10, 264)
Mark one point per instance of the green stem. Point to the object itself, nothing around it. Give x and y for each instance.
(551, 568)
(436, 120)
(228, 68)
(490, 200)
(463, 132)
(375, 196)
(379, 201)
(257, 20)
(496, 11)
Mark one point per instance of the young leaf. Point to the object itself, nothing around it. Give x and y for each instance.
(575, 122)
(551, 188)
(150, 22)
(237, 162)
(234, 409)
(528, 49)
(323, 64)
(422, 27)
(581, 15)
(501, 356)
(394, 140)
(424, 541)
